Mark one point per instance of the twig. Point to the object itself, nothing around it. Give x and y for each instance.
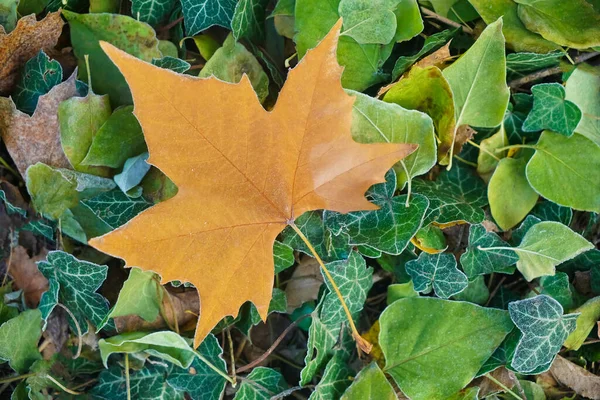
(493, 292)
(446, 21)
(79, 341)
(231, 354)
(273, 346)
(171, 24)
(549, 71)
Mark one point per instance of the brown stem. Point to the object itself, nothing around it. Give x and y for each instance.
(446, 21)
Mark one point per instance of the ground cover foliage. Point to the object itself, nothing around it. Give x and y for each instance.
(421, 223)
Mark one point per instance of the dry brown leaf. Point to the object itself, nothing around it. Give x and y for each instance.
(27, 276)
(36, 138)
(580, 380)
(436, 58)
(243, 173)
(24, 42)
(463, 133)
(304, 284)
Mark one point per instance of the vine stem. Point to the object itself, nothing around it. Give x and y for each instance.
(127, 380)
(363, 344)
(503, 386)
(214, 368)
(483, 149)
(516, 146)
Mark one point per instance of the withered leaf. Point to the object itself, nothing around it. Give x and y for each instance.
(24, 42)
(243, 174)
(26, 275)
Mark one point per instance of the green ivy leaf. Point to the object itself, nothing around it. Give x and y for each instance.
(335, 380)
(421, 337)
(456, 195)
(165, 345)
(200, 381)
(544, 329)
(146, 383)
(581, 89)
(572, 23)
(119, 138)
(283, 256)
(199, 15)
(152, 12)
(589, 314)
(375, 121)
(40, 227)
(478, 260)
(510, 196)
(566, 171)
(249, 19)
(19, 339)
(388, 229)
(10, 209)
(172, 63)
(549, 211)
(73, 283)
(261, 384)
(559, 288)
(39, 75)
(370, 384)
(437, 271)
(521, 64)
(354, 280)
(551, 111)
(249, 315)
(432, 43)
(515, 116)
(115, 208)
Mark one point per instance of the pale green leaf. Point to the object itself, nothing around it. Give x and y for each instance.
(437, 271)
(544, 329)
(399, 291)
(133, 172)
(8, 14)
(488, 158)
(434, 347)
(369, 22)
(19, 339)
(370, 384)
(140, 295)
(566, 170)
(586, 322)
(583, 89)
(261, 384)
(551, 111)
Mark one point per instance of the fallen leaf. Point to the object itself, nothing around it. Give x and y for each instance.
(27, 276)
(304, 284)
(251, 186)
(437, 58)
(36, 138)
(487, 387)
(583, 382)
(28, 38)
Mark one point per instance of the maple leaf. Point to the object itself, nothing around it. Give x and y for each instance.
(243, 174)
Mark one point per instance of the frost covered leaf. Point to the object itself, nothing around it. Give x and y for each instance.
(559, 288)
(38, 77)
(589, 314)
(551, 111)
(10, 209)
(478, 259)
(19, 339)
(375, 121)
(261, 384)
(202, 14)
(115, 207)
(73, 283)
(354, 280)
(544, 329)
(335, 380)
(456, 195)
(521, 64)
(249, 19)
(172, 63)
(388, 229)
(545, 245)
(434, 347)
(368, 22)
(566, 170)
(583, 87)
(370, 384)
(437, 271)
(153, 12)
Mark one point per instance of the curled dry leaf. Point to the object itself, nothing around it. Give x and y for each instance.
(36, 138)
(583, 382)
(24, 42)
(437, 58)
(304, 284)
(243, 173)
(26, 275)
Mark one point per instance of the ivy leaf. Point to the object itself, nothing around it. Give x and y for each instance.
(566, 171)
(39, 76)
(432, 43)
(335, 380)
(478, 81)
(165, 345)
(200, 381)
(249, 19)
(426, 90)
(546, 245)
(370, 384)
(199, 15)
(582, 89)
(172, 63)
(152, 12)
(573, 24)
(354, 280)
(551, 110)
(73, 283)
(283, 256)
(19, 339)
(510, 177)
(421, 336)
(544, 329)
(559, 288)
(437, 271)
(521, 64)
(388, 229)
(375, 121)
(115, 207)
(261, 384)
(250, 317)
(40, 227)
(10, 209)
(456, 195)
(549, 211)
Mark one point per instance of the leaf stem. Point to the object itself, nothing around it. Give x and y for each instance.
(363, 344)
(79, 335)
(516, 146)
(8, 167)
(66, 389)
(214, 368)
(231, 354)
(462, 160)
(89, 73)
(486, 151)
(17, 378)
(503, 386)
(409, 183)
(127, 381)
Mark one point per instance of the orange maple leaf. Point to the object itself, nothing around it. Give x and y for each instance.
(243, 174)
